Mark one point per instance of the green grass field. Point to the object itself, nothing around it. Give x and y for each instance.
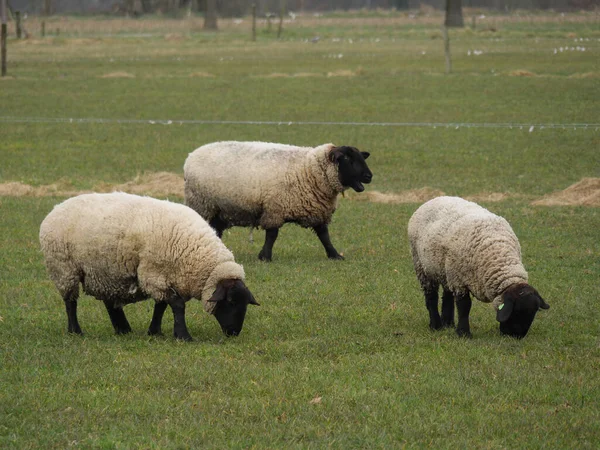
(339, 354)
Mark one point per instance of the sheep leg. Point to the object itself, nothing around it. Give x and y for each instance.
(71, 306)
(266, 254)
(118, 319)
(219, 225)
(157, 316)
(447, 309)
(70, 296)
(323, 235)
(463, 306)
(431, 302)
(180, 330)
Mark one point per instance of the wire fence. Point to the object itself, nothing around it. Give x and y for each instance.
(456, 125)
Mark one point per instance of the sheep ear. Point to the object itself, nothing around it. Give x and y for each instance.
(505, 309)
(240, 293)
(365, 154)
(252, 300)
(335, 154)
(220, 293)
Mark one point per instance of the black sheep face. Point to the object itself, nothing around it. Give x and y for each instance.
(232, 298)
(516, 314)
(352, 168)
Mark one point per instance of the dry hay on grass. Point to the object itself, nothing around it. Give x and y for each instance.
(343, 73)
(201, 75)
(584, 193)
(61, 188)
(488, 197)
(159, 184)
(118, 75)
(410, 196)
(521, 73)
(166, 184)
(585, 75)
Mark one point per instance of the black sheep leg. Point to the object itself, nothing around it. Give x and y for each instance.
(463, 306)
(71, 307)
(431, 302)
(447, 309)
(157, 316)
(180, 330)
(118, 319)
(266, 254)
(323, 234)
(218, 225)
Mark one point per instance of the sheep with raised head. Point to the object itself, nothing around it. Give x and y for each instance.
(467, 250)
(259, 184)
(124, 248)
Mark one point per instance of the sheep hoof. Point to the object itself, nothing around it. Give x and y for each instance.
(435, 324)
(264, 257)
(464, 334)
(123, 331)
(337, 257)
(155, 333)
(448, 324)
(186, 338)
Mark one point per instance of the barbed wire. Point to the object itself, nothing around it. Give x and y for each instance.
(87, 120)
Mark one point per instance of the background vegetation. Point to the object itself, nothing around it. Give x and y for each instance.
(339, 354)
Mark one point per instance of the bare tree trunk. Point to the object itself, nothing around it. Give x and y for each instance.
(210, 17)
(454, 16)
(47, 7)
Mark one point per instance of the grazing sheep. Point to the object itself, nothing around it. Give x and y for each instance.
(264, 184)
(469, 250)
(124, 248)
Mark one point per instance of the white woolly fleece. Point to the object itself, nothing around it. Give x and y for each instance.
(464, 247)
(262, 184)
(124, 243)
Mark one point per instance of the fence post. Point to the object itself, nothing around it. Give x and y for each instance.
(254, 21)
(3, 30)
(43, 28)
(447, 49)
(281, 12)
(18, 23)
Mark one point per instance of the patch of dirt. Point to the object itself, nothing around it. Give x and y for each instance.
(201, 75)
(488, 197)
(521, 73)
(307, 74)
(18, 189)
(411, 196)
(118, 75)
(342, 73)
(585, 75)
(275, 75)
(166, 184)
(584, 193)
(159, 184)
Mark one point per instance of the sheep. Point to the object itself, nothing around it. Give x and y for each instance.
(259, 184)
(469, 250)
(124, 248)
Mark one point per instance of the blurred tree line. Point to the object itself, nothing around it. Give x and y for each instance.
(238, 8)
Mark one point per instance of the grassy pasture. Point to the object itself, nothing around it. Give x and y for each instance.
(339, 354)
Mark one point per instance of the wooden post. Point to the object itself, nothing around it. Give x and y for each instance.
(447, 49)
(3, 37)
(43, 28)
(18, 23)
(281, 12)
(473, 22)
(253, 21)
